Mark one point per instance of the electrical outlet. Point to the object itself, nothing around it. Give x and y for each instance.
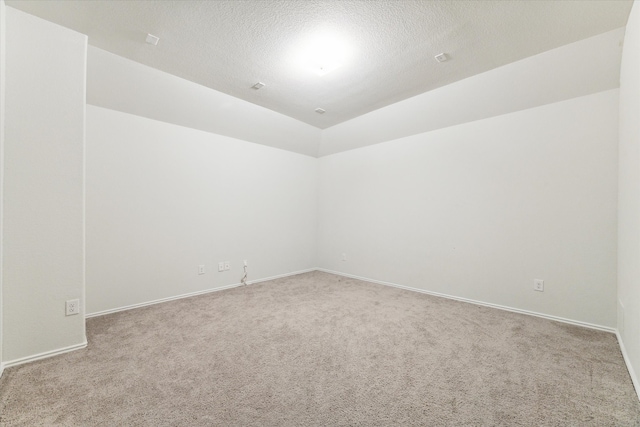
(538, 285)
(201, 269)
(221, 266)
(227, 265)
(344, 257)
(73, 307)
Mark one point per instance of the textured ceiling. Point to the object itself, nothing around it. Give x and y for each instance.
(230, 45)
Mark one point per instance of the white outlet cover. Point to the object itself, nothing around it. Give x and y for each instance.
(227, 265)
(72, 307)
(201, 269)
(538, 285)
(221, 266)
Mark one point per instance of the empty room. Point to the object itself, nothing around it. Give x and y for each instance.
(320, 213)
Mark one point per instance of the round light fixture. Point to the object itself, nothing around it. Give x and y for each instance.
(323, 53)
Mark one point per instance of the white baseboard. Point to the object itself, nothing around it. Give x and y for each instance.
(192, 294)
(44, 355)
(482, 303)
(158, 301)
(625, 356)
(632, 372)
(280, 276)
(634, 378)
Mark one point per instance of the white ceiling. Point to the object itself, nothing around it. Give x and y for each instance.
(230, 45)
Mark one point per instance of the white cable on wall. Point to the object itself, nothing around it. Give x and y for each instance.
(244, 277)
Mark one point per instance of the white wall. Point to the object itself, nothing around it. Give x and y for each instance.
(581, 68)
(43, 186)
(162, 199)
(482, 209)
(629, 196)
(2, 80)
(475, 210)
(121, 84)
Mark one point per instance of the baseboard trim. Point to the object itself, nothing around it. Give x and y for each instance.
(280, 276)
(158, 301)
(192, 294)
(482, 303)
(632, 372)
(45, 355)
(634, 379)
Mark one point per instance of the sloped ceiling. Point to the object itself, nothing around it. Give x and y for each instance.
(230, 45)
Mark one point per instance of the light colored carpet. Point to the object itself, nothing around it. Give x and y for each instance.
(321, 350)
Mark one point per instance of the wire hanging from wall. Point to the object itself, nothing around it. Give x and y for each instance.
(244, 277)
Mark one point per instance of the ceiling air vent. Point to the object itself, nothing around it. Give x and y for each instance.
(441, 57)
(151, 39)
(320, 111)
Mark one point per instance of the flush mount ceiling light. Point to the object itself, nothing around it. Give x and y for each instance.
(151, 39)
(441, 57)
(323, 53)
(257, 86)
(320, 111)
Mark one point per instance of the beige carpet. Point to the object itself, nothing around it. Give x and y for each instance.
(321, 350)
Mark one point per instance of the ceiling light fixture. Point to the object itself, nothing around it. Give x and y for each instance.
(323, 53)
(320, 111)
(151, 39)
(257, 86)
(441, 57)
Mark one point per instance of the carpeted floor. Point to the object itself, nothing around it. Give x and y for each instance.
(322, 350)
